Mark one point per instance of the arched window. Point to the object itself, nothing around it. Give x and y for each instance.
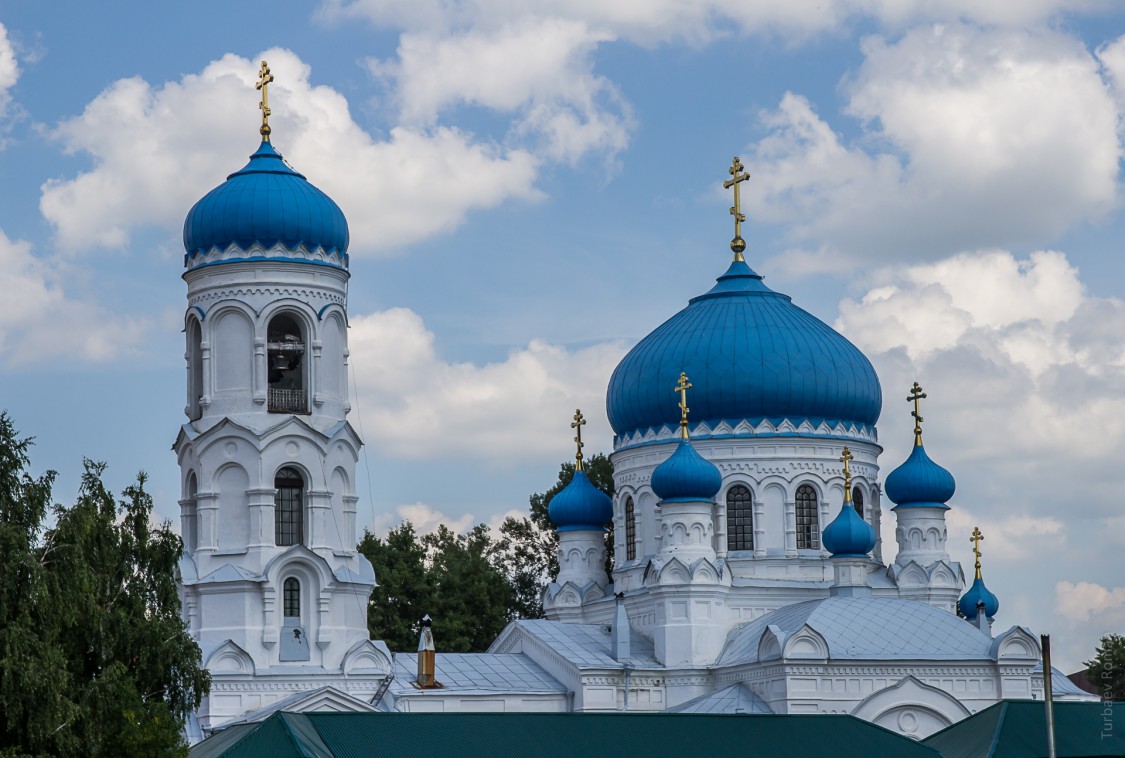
(288, 513)
(857, 501)
(292, 600)
(285, 363)
(195, 370)
(630, 530)
(808, 528)
(740, 518)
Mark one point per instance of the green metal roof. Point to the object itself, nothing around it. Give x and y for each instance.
(1017, 729)
(531, 735)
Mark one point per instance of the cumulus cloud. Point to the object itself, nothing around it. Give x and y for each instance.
(701, 21)
(157, 149)
(1086, 600)
(516, 409)
(539, 70)
(39, 320)
(1007, 538)
(9, 69)
(971, 138)
(426, 519)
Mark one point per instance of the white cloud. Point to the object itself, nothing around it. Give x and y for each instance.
(40, 320)
(156, 150)
(972, 138)
(1007, 539)
(426, 519)
(1086, 600)
(9, 69)
(517, 409)
(701, 21)
(540, 70)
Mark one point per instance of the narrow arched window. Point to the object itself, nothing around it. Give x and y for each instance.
(195, 370)
(857, 501)
(740, 518)
(292, 598)
(808, 527)
(288, 507)
(285, 360)
(630, 530)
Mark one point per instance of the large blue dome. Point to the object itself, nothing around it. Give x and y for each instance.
(266, 203)
(753, 356)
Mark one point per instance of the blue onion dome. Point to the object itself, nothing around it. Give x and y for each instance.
(580, 505)
(920, 482)
(977, 593)
(756, 356)
(267, 204)
(848, 536)
(686, 475)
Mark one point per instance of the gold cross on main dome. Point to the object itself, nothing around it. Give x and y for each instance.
(916, 394)
(577, 426)
(846, 458)
(975, 539)
(264, 79)
(682, 387)
(737, 177)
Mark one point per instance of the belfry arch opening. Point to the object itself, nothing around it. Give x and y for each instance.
(285, 362)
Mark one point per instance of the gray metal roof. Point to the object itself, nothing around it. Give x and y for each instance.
(867, 628)
(737, 698)
(477, 672)
(587, 646)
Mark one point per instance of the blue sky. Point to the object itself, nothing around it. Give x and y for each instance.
(532, 187)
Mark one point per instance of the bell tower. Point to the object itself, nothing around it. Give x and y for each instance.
(273, 588)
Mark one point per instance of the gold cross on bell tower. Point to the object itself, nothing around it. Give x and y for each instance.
(737, 177)
(975, 539)
(264, 79)
(577, 425)
(916, 394)
(682, 387)
(846, 458)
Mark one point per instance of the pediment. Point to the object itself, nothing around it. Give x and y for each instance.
(229, 658)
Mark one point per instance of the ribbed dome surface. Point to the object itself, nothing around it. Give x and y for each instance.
(686, 475)
(848, 535)
(920, 482)
(978, 592)
(267, 203)
(751, 354)
(580, 505)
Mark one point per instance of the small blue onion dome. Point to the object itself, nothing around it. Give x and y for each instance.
(977, 593)
(686, 475)
(848, 536)
(580, 505)
(266, 203)
(920, 482)
(754, 354)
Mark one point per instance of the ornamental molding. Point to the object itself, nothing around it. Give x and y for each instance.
(233, 254)
(746, 428)
(297, 293)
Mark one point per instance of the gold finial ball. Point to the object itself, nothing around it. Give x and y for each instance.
(738, 245)
(265, 130)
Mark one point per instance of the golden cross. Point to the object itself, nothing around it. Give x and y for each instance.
(846, 459)
(577, 425)
(738, 176)
(264, 78)
(916, 394)
(975, 539)
(682, 387)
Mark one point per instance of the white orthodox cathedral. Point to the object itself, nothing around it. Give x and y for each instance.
(749, 573)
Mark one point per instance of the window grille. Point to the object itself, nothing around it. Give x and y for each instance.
(740, 518)
(630, 530)
(292, 604)
(808, 528)
(288, 507)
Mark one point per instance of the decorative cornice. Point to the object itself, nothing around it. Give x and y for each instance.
(298, 293)
(743, 428)
(234, 254)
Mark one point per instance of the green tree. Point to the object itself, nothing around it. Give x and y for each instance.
(94, 657)
(1106, 670)
(455, 578)
(405, 590)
